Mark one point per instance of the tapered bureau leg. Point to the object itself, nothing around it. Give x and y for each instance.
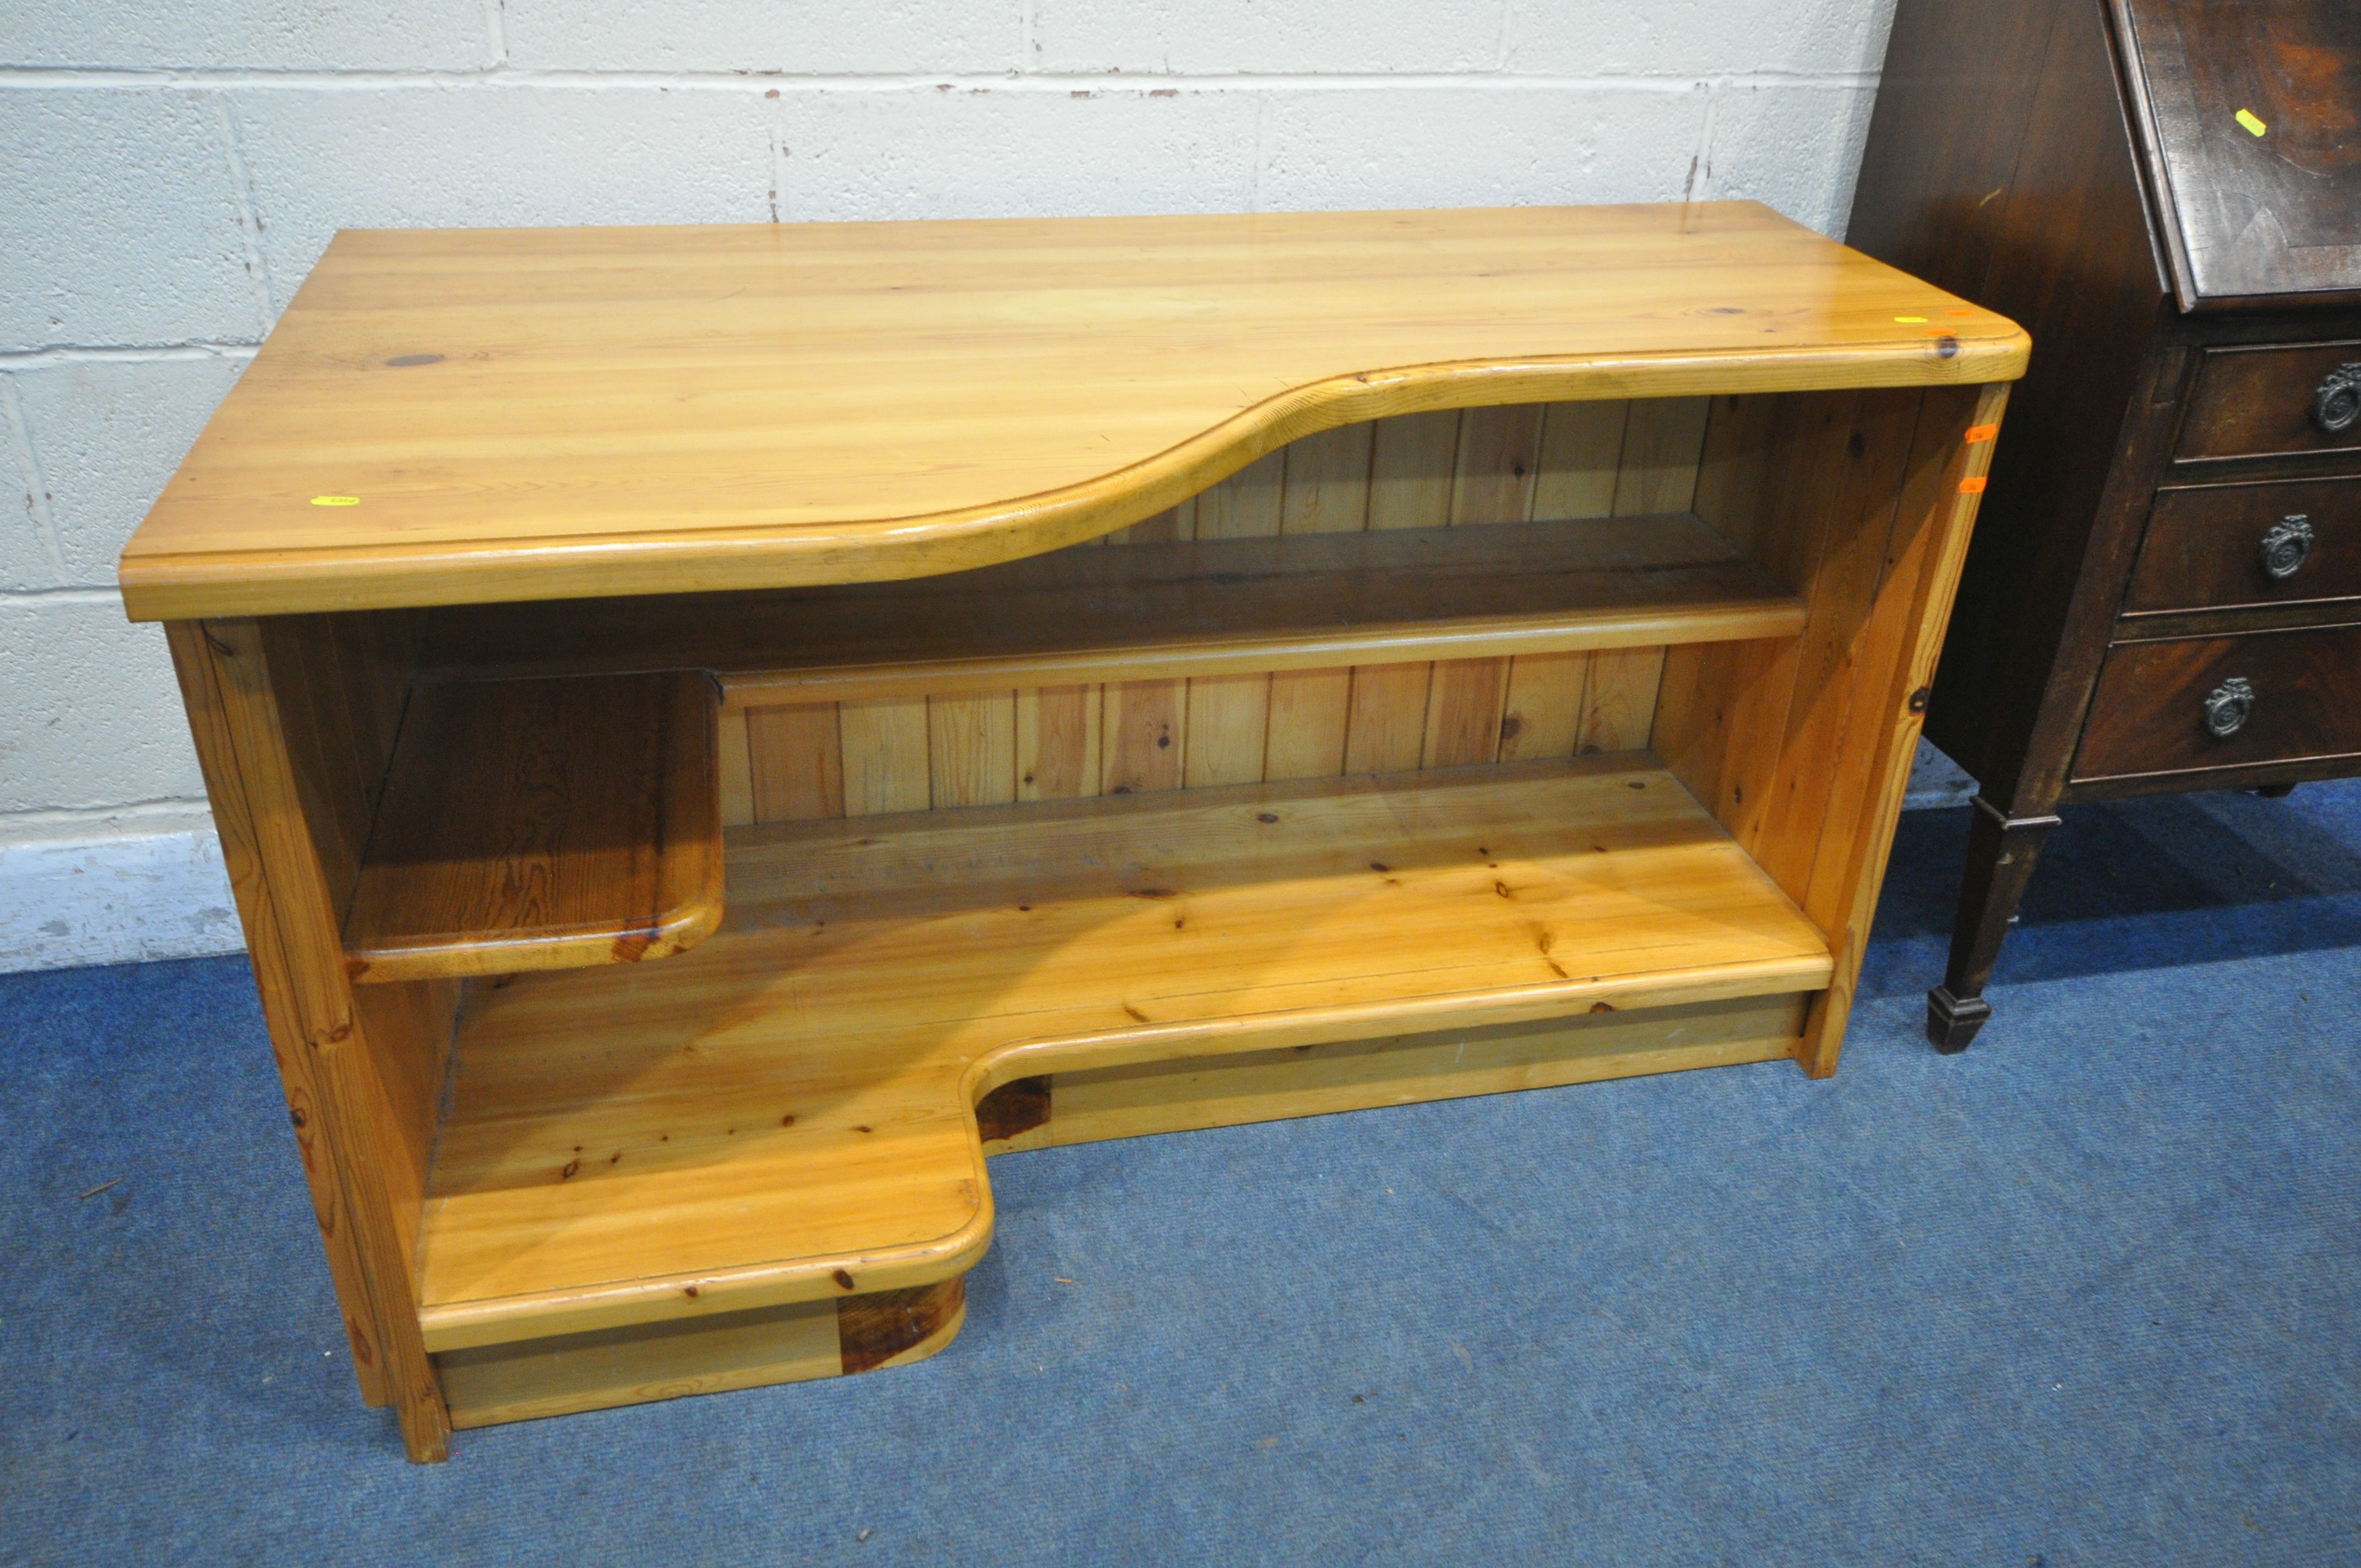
(2001, 853)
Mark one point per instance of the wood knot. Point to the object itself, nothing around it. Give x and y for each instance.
(843, 1279)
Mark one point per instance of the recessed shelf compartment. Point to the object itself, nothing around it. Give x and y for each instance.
(543, 824)
(1164, 611)
(788, 1113)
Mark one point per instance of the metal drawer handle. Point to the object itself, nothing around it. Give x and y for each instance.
(2338, 402)
(2227, 708)
(2287, 545)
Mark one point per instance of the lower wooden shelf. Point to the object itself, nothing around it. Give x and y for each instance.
(787, 1113)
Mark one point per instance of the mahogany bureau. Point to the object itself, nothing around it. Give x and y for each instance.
(2165, 589)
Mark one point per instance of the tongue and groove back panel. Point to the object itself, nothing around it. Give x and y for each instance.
(790, 761)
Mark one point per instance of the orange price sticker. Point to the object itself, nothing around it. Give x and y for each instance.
(1977, 433)
(1972, 486)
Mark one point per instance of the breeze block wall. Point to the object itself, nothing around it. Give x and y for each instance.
(168, 172)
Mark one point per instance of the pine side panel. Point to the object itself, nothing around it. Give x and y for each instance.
(1411, 462)
(193, 665)
(1499, 451)
(294, 938)
(1327, 481)
(737, 769)
(1695, 701)
(1662, 444)
(1733, 477)
(1142, 736)
(1898, 652)
(315, 720)
(1228, 720)
(1722, 719)
(1308, 712)
(794, 762)
(375, 658)
(1057, 742)
(1619, 704)
(409, 1027)
(1246, 504)
(885, 756)
(1702, 684)
(1542, 715)
(971, 750)
(1465, 699)
(1582, 445)
(1386, 728)
(1842, 595)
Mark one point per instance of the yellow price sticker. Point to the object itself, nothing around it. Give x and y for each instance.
(336, 500)
(1919, 320)
(2246, 118)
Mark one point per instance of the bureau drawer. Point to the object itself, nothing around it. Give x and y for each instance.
(2149, 715)
(2225, 546)
(2253, 402)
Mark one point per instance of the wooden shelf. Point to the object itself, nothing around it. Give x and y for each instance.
(787, 1113)
(1160, 612)
(543, 824)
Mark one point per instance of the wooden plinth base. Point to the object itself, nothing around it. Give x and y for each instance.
(646, 1362)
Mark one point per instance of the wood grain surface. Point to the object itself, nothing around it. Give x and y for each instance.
(550, 414)
(543, 824)
(786, 1113)
(2148, 716)
(1162, 611)
(2244, 110)
(2203, 548)
(2257, 402)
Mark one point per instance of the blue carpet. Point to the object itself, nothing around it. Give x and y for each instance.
(2089, 1294)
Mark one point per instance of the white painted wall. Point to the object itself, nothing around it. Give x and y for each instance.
(171, 169)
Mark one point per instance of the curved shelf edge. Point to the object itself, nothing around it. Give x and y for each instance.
(276, 582)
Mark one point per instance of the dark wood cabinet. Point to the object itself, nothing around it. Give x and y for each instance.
(2164, 592)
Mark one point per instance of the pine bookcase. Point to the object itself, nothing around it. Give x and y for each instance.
(716, 732)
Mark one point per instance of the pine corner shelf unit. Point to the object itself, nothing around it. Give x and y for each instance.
(716, 731)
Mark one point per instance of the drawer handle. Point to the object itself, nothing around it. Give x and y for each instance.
(2338, 402)
(2287, 545)
(2228, 707)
